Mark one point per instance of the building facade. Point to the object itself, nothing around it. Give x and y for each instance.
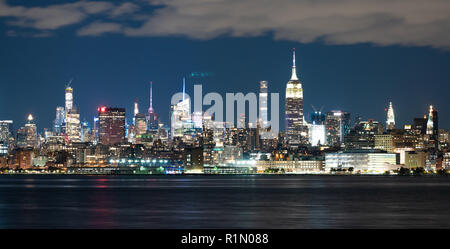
(111, 125)
(296, 131)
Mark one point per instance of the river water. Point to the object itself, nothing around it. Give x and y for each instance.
(227, 201)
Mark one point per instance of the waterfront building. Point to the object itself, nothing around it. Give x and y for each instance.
(291, 166)
(237, 167)
(296, 131)
(362, 161)
(446, 161)
(23, 158)
(193, 160)
(111, 125)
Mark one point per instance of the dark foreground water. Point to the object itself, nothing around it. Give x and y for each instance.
(224, 202)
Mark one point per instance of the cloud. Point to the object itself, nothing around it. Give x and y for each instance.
(381, 22)
(99, 28)
(125, 8)
(56, 16)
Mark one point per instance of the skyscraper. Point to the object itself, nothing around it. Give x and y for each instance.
(59, 120)
(317, 134)
(430, 121)
(420, 125)
(337, 125)
(69, 97)
(390, 119)
(5, 135)
(296, 131)
(433, 127)
(152, 117)
(136, 109)
(73, 124)
(180, 114)
(27, 136)
(139, 126)
(263, 92)
(111, 125)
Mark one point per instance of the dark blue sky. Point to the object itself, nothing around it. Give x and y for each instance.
(113, 69)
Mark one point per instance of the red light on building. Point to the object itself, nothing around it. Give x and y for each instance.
(101, 109)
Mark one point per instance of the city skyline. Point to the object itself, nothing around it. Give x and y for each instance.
(112, 69)
(217, 115)
(142, 105)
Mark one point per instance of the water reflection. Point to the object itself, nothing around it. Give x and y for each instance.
(223, 202)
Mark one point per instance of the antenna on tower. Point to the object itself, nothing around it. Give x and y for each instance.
(151, 94)
(293, 57)
(150, 109)
(70, 82)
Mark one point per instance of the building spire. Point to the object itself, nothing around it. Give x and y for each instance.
(184, 87)
(390, 121)
(150, 109)
(294, 70)
(136, 106)
(430, 123)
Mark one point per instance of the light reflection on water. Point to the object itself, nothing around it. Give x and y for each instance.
(224, 202)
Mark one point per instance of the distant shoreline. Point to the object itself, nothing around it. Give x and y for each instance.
(202, 175)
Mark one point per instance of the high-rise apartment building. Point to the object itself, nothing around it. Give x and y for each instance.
(337, 125)
(111, 125)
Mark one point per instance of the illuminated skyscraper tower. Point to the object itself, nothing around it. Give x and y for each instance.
(69, 97)
(430, 122)
(432, 130)
(296, 131)
(59, 120)
(111, 125)
(180, 115)
(31, 132)
(152, 117)
(73, 124)
(263, 119)
(136, 107)
(390, 120)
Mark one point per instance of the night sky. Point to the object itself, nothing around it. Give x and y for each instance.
(112, 54)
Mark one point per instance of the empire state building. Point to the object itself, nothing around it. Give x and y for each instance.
(296, 130)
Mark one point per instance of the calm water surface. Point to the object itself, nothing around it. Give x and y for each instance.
(41, 201)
